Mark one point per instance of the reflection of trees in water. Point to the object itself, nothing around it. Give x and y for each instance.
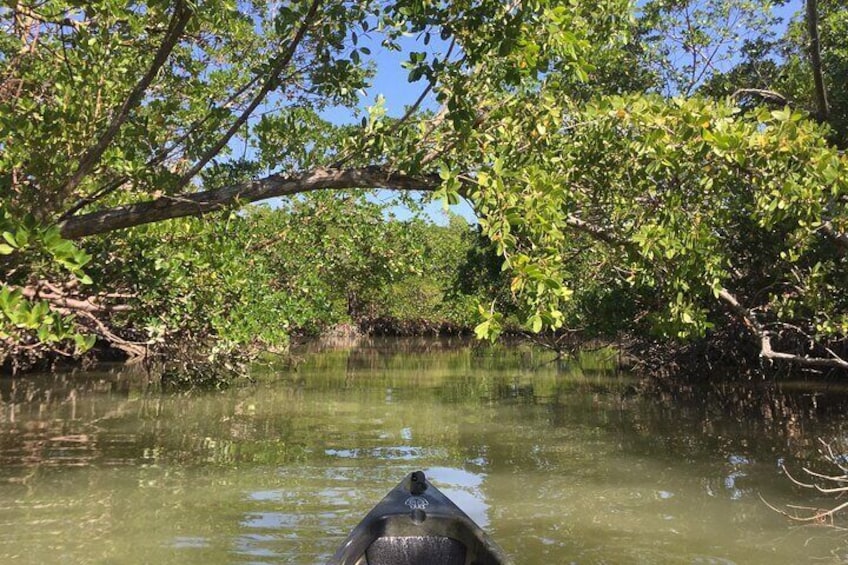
(568, 430)
(784, 419)
(115, 419)
(65, 419)
(118, 419)
(501, 410)
(57, 421)
(724, 441)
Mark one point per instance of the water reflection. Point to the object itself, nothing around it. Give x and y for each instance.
(562, 463)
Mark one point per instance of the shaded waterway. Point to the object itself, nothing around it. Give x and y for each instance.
(561, 462)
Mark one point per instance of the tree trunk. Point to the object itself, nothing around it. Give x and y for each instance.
(822, 109)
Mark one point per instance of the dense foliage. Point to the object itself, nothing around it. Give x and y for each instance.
(674, 172)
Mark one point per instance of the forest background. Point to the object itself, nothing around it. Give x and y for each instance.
(669, 177)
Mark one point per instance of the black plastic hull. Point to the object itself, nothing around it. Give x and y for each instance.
(415, 524)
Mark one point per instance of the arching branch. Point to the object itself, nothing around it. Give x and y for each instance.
(191, 204)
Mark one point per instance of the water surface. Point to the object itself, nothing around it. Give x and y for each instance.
(560, 462)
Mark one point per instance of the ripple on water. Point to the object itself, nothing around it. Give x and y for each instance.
(189, 543)
(399, 452)
(270, 520)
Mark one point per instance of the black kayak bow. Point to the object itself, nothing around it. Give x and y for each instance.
(415, 524)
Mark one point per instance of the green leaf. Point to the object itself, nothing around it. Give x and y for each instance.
(535, 323)
(497, 166)
(84, 342)
(482, 330)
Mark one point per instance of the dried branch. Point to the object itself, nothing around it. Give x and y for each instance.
(842, 479)
(764, 335)
(817, 515)
(819, 488)
(820, 516)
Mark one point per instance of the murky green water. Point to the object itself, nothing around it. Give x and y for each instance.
(560, 464)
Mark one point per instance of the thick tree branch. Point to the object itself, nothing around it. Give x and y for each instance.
(168, 207)
(134, 350)
(68, 303)
(596, 232)
(823, 111)
(92, 156)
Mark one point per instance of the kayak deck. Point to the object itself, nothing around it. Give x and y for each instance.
(416, 524)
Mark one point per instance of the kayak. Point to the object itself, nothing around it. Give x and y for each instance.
(415, 524)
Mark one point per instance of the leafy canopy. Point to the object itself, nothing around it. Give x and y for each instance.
(570, 127)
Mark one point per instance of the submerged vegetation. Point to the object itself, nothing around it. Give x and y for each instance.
(671, 178)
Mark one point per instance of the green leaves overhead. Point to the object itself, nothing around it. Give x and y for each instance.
(653, 193)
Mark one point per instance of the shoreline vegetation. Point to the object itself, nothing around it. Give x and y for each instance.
(670, 179)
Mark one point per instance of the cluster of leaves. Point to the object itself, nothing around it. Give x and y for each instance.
(722, 200)
(24, 318)
(453, 269)
(251, 280)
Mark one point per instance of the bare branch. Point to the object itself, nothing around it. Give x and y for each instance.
(832, 457)
(68, 303)
(819, 517)
(764, 335)
(133, 349)
(766, 95)
(835, 479)
(794, 480)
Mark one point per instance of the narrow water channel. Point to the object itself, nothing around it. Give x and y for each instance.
(560, 462)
